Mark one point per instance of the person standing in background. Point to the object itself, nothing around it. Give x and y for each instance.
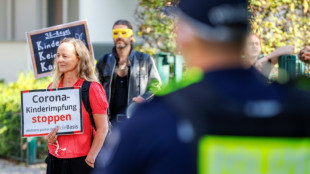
(304, 54)
(127, 75)
(253, 56)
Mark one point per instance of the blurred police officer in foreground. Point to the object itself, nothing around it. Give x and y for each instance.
(229, 122)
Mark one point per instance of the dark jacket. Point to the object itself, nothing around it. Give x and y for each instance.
(158, 139)
(143, 75)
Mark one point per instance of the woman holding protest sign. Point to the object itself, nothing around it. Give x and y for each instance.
(77, 153)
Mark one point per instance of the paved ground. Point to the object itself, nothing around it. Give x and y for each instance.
(9, 167)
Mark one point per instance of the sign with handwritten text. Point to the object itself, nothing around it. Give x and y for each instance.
(43, 44)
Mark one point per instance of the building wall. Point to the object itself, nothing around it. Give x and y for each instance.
(26, 19)
(3, 19)
(18, 17)
(14, 59)
(101, 15)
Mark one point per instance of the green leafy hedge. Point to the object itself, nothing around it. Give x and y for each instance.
(155, 27)
(277, 22)
(281, 22)
(10, 111)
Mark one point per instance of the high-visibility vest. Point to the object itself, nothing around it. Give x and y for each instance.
(229, 139)
(255, 155)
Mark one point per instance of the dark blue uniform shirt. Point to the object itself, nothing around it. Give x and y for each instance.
(149, 142)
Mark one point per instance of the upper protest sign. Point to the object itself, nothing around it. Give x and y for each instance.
(43, 44)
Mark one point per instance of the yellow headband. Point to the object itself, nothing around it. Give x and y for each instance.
(124, 32)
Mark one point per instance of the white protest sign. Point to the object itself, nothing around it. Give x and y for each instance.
(43, 110)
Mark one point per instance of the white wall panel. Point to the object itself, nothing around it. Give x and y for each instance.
(101, 15)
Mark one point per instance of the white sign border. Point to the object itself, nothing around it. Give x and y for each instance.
(52, 89)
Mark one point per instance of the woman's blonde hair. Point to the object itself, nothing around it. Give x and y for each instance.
(84, 67)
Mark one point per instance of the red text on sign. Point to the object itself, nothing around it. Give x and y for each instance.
(51, 118)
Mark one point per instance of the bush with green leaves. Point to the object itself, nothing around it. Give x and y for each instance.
(10, 111)
(156, 26)
(277, 22)
(281, 22)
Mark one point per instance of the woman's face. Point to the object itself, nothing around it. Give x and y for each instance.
(253, 47)
(67, 59)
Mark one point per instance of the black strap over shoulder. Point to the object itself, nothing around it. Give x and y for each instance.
(85, 98)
